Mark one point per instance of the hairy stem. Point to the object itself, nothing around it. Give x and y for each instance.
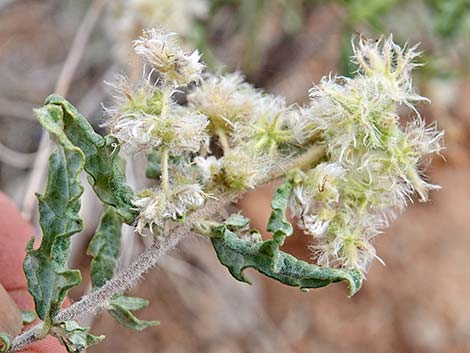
(96, 301)
(309, 158)
(164, 167)
(223, 140)
(164, 150)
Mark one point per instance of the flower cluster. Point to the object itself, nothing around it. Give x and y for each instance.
(145, 115)
(229, 136)
(373, 164)
(225, 100)
(128, 17)
(237, 169)
(161, 50)
(146, 118)
(255, 130)
(157, 206)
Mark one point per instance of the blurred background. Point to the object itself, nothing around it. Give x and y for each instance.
(418, 302)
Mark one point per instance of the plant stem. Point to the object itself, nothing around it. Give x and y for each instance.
(310, 158)
(165, 102)
(164, 149)
(96, 301)
(164, 167)
(223, 140)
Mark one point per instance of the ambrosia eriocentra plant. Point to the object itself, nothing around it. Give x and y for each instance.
(347, 165)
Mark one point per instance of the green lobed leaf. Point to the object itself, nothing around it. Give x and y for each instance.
(120, 309)
(74, 337)
(238, 254)
(5, 341)
(278, 223)
(237, 221)
(102, 162)
(130, 303)
(46, 268)
(105, 248)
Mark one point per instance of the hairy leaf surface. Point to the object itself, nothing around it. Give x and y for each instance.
(120, 309)
(238, 254)
(46, 268)
(74, 337)
(105, 248)
(278, 223)
(101, 154)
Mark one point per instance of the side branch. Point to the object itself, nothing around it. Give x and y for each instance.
(127, 279)
(97, 300)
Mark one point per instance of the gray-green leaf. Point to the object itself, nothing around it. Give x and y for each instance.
(102, 162)
(120, 309)
(75, 338)
(46, 269)
(238, 254)
(278, 223)
(105, 248)
(237, 221)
